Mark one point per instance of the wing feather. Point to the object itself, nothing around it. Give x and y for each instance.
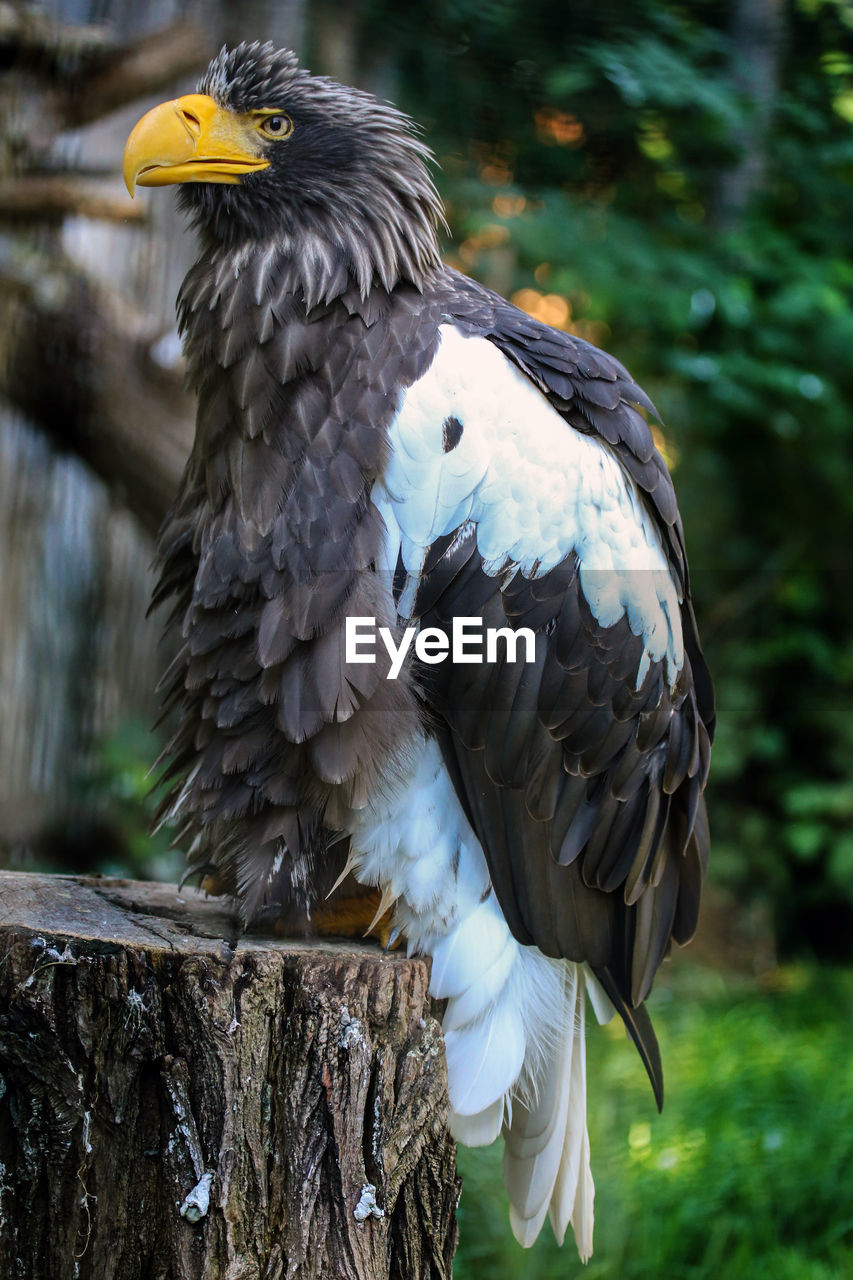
(582, 773)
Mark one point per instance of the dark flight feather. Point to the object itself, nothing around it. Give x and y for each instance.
(593, 723)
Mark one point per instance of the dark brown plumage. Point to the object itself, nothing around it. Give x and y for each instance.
(319, 301)
(267, 549)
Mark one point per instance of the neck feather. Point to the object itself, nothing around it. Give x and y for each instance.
(365, 241)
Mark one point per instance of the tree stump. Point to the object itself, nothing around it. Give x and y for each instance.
(180, 1101)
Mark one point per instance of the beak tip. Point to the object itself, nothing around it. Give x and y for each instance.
(128, 172)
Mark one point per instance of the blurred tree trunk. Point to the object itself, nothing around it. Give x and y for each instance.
(87, 285)
(82, 367)
(76, 353)
(756, 38)
(334, 30)
(178, 1107)
(90, 370)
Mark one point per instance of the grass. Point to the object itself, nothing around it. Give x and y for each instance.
(747, 1174)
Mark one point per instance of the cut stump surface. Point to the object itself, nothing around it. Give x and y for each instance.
(180, 1101)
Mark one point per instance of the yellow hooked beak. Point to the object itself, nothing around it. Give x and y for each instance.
(192, 139)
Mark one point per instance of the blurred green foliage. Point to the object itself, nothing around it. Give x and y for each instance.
(745, 1174)
(587, 152)
(112, 833)
(124, 787)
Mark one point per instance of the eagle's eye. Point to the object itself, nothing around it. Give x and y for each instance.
(277, 126)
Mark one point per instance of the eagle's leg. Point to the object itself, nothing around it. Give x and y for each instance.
(357, 916)
(353, 911)
(514, 1019)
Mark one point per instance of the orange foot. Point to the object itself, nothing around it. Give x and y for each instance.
(356, 912)
(366, 915)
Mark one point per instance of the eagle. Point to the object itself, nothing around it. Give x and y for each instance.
(386, 448)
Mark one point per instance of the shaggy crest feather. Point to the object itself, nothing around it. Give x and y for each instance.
(365, 200)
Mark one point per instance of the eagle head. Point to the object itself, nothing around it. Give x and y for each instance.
(270, 153)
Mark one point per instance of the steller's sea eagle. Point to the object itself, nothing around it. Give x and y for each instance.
(382, 442)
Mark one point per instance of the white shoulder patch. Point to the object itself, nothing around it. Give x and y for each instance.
(475, 440)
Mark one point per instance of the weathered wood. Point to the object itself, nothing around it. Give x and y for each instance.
(88, 74)
(178, 1101)
(81, 365)
(50, 198)
(27, 34)
(119, 76)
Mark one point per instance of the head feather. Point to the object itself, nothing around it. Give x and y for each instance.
(350, 188)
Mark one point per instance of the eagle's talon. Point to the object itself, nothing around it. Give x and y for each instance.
(394, 938)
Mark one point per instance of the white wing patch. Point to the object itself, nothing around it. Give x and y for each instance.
(536, 489)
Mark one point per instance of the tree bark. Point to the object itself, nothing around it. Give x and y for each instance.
(119, 76)
(178, 1102)
(82, 367)
(50, 199)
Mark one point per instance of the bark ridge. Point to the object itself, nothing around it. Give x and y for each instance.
(180, 1102)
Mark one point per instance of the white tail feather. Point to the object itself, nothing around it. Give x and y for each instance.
(484, 1059)
(582, 1213)
(481, 1129)
(602, 1005)
(468, 951)
(514, 1023)
(546, 1162)
(482, 992)
(573, 1172)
